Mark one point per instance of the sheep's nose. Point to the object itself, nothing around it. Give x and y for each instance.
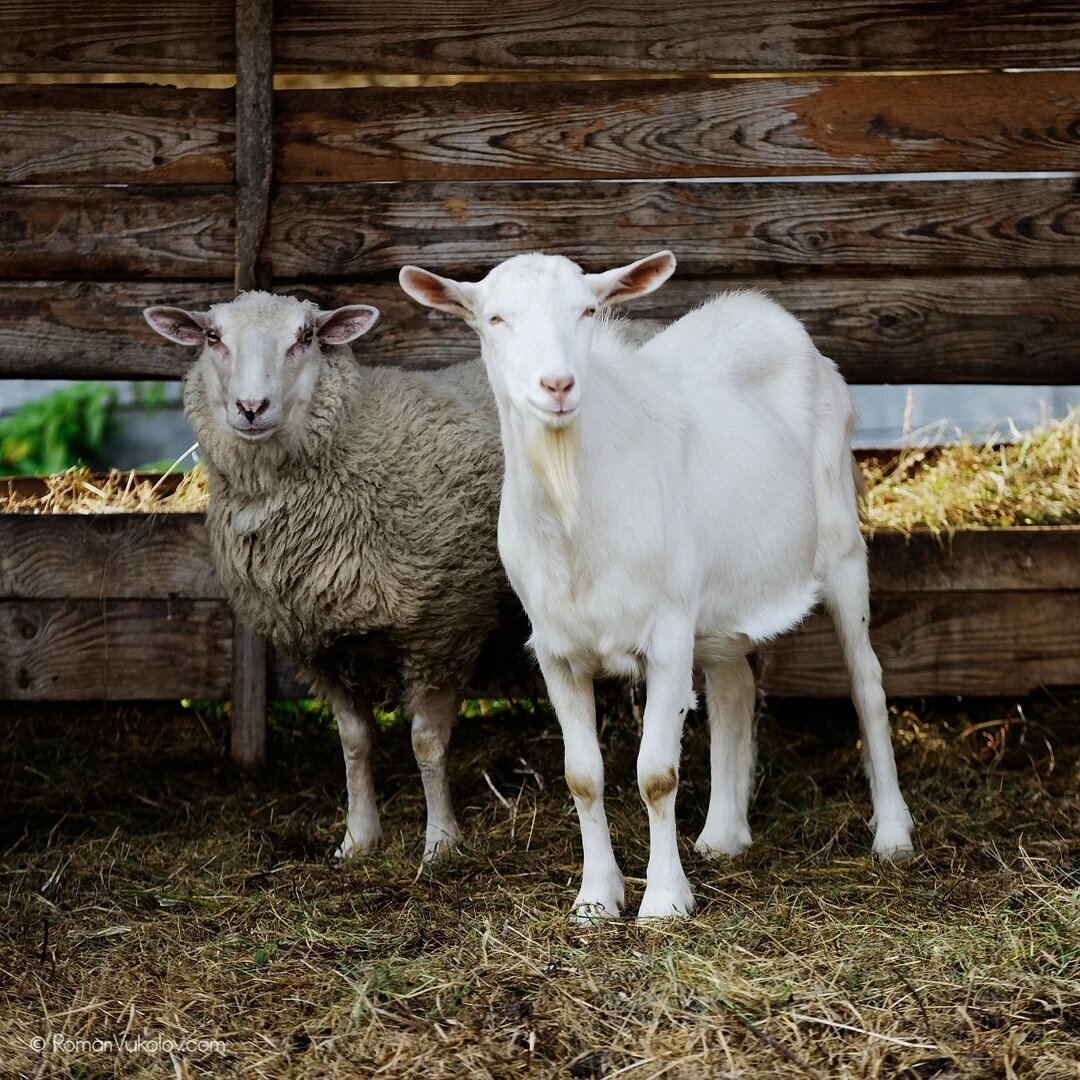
(558, 386)
(251, 409)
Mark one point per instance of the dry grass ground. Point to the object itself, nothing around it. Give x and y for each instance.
(150, 893)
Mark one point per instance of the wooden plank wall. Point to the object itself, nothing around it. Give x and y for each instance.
(124, 606)
(614, 139)
(900, 280)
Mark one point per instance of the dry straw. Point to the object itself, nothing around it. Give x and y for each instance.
(1031, 479)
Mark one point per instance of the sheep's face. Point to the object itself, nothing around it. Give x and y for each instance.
(261, 355)
(535, 317)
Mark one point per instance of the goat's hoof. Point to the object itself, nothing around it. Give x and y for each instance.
(713, 843)
(893, 843)
(661, 902)
(440, 843)
(603, 898)
(358, 843)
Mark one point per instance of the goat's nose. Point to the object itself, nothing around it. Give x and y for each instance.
(558, 386)
(251, 409)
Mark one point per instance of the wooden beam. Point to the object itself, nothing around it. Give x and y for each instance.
(254, 168)
(254, 137)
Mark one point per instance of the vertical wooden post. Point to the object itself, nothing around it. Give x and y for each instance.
(254, 169)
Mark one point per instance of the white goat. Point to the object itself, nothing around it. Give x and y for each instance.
(669, 504)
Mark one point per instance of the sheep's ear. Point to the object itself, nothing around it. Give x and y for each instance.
(176, 324)
(638, 279)
(345, 324)
(429, 289)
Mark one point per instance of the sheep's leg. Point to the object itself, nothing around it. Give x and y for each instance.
(355, 723)
(434, 714)
(729, 692)
(602, 893)
(847, 592)
(669, 694)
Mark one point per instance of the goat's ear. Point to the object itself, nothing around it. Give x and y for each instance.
(345, 324)
(456, 297)
(176, 324)
(638, 279)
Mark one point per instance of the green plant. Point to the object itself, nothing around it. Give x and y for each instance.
(58, 430)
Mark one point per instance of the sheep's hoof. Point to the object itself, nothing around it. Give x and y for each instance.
(715, 843)
(358, 843)
(662, 902)
(440, 843)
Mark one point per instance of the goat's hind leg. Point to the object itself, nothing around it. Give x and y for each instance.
(730, 696)
(847, 595)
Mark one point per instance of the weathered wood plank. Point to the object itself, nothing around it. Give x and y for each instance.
(675, 35)
(1036, 558)
(94, 330)
(993, 328)
(167, 556)
(116, 36)
(156, 231)
(106, 557)
(115, 134)
(538, 35)
(365, 230)
(981, 643)
(682, 128)
(114, 650)
(959, 642)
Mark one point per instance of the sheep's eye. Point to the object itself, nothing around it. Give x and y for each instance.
(588, 313)
(308, 336)
(495, 320)
(212, 337)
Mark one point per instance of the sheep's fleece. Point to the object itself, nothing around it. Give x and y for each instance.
(364, 545)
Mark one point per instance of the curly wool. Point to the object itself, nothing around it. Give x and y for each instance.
(363, 545)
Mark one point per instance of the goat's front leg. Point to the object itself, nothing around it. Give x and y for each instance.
(434, 714)
(669, 694)
(602, 893)
(355, 723)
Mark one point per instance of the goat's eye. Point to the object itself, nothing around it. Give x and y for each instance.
(588, 313)
(212, 337)
(495, 320)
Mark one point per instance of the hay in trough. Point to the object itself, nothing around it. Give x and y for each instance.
(149, 891)
(1032, 480)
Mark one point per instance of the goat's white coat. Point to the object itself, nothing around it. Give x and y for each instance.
(712, 502)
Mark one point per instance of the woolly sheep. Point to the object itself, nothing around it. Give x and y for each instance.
(666, 504)
(352, 516)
